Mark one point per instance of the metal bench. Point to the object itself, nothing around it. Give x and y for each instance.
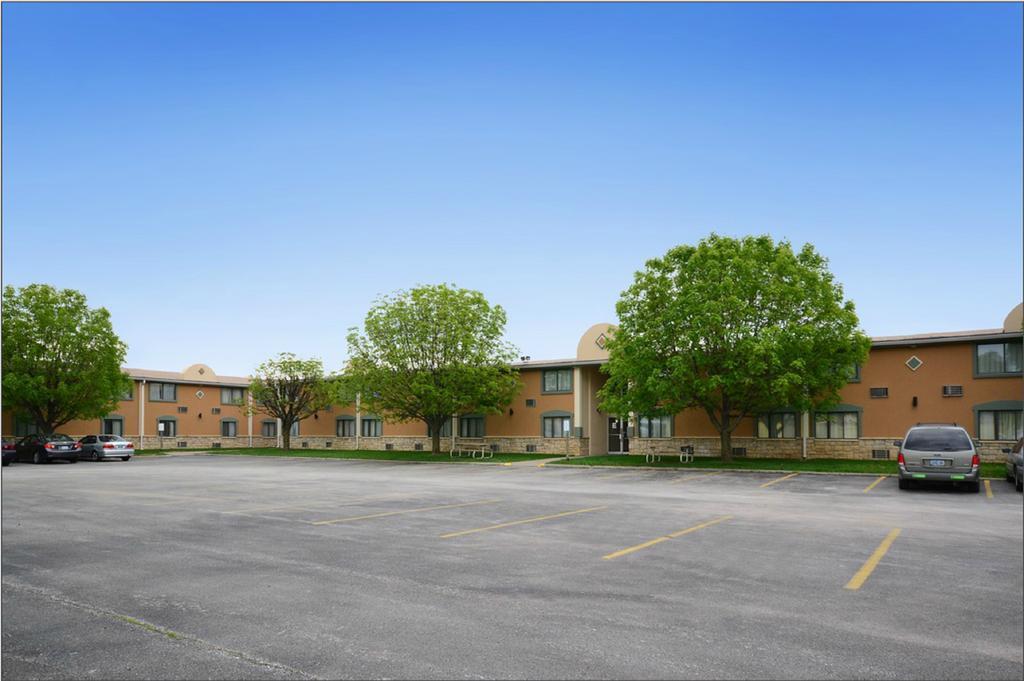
(476, 448)
(685, 455)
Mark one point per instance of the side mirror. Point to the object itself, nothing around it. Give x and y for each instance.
(897, 443)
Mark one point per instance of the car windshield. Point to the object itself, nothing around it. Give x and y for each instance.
(111, 438)
(937, 440)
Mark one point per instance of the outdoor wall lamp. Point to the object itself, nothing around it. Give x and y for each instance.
(511, 411)
(915, 400)
(200, 414)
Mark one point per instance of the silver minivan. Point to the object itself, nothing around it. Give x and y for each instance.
(938, 453)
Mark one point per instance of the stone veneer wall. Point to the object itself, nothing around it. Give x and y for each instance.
(790, 448)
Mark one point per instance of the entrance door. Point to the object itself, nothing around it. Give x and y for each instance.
(618, 435)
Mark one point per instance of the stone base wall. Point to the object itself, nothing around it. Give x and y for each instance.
(791, 448)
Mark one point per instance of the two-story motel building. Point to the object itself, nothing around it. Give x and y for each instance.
(972, 378)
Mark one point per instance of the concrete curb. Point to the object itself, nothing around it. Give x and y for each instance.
(740, 470)
(463, 461)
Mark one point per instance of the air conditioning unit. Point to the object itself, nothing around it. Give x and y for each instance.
(216, 445)
(182, 410)
(215, 410)
(879, 453)
(418, 446)
(952, 391)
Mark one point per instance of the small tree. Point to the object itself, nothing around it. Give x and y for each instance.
(431, 352)
(61, 359)
(735, 327)
(290, 389)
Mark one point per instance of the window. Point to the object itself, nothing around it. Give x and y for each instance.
(779, 424)
(112, 425)
(371, 427)
(879, 392)
(295, 429)
(24, 426)
(1000, 425)
(166, 427)
(557, 381)
(836, 425)
(654, 426)
(346, 427)
(530, 402)
(229, 428)
(183, 410)
(163, 392)
(446, 429)
(556, 426)
(232, 395)
(129, 393)
(268, 429)
(854, 376)
(996, 359)
(471, 426)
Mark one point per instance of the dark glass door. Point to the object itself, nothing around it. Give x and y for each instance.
(618, 436)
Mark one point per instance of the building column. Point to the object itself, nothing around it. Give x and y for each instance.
(248, 415)
(578, 402)
(805, 426)
(142, 413)
(359, 419)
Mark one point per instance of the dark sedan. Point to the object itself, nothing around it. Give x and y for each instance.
(10, 450)
(47, 448)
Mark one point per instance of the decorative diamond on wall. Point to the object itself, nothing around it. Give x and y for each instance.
(914, 363)
(601, 340)
(200, 394)
(202, 371)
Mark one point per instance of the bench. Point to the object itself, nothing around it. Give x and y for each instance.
(476, 448)
(685, 455)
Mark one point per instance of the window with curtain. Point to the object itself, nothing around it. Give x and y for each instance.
(999, 358)
(232, 395)
(471, 426)
(1000, 425)
(446, 429)
(556, 426)
(781, 424)
(170, 427)
(295, 429)
(163, 392)
(113, 426)
(346, 428)
(268, 429)
(654, 426)
(371, 427)
(229, 428)
(836, 425)
(557, 380)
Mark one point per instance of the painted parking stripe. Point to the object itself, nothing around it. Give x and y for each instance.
(872, 485)
(778, 480)
(694, 477)
(988, 489)
(667, 537)
(403, 512)
(861, 576)
(535, 519)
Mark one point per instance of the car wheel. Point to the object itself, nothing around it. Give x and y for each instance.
(1019, 475)
(904, 483)
(126, 458)
(75, 460)
(95, 456)
(39, 458)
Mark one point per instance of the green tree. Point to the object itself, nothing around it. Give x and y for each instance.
(735, 327)
(61, 359)
(431, 352)
(290, 389)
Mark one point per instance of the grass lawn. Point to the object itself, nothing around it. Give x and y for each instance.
(351, 454)
(988, 470)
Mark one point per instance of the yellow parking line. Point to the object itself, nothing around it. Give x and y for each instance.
(673, 535)
(988, 489)
(535, 519)
(872, 485)
(777, 480)
(409, 510)
(861, 576)
(694, 477)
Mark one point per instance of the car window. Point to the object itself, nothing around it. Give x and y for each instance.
(111, 438)
(937, 440)
(88, 440)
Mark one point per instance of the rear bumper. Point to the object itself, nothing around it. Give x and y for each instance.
(116, 454)
(64, 456)
(974, 475)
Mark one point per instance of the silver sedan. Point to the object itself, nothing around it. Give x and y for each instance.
(100, 447)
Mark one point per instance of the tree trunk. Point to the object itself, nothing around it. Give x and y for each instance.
(286, 436)
(435, 441)
(725, 434)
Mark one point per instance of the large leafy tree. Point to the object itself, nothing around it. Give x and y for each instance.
(61, 358)
(734, 327)
(431, 352)
(291, 389)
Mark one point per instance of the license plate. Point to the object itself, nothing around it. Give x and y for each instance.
(937, 463)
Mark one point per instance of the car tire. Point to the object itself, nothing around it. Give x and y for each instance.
(126, 458)
(5, 463)
(95, 456)
(1019, 479)
(904, 483)
(39, 458)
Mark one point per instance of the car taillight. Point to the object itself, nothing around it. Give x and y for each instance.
(975, 461)
(51, 445)
(108, 446)
(899, 459)
(130, 446)
(78, 445)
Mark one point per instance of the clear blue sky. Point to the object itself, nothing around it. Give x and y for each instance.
(236, 180)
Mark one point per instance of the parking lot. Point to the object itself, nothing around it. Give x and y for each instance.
(246, 567)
